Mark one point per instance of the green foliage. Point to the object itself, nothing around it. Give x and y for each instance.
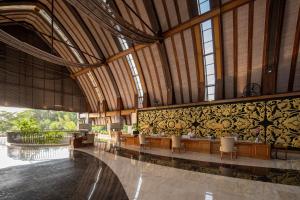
(125, 128)
(100, 129)
(27, 125)
(37, 120)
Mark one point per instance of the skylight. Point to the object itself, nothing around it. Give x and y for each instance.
(58, 30)
(134, 71)
(203, 6)
(208, 51)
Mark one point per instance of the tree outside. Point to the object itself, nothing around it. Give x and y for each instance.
(37, 120)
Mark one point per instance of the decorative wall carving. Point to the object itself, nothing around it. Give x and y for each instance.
(278, 121)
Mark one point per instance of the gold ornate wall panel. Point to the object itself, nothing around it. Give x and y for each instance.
(277, 121)
(283, 122)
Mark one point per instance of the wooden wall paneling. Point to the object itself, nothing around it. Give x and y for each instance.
(86, 92)
(235, 53)
(113, 87)
(82, 33)
(170, 8)
(296, 86)
(114, 69)
(97, 51)
(187, 68)
(129, 81)
(183, 10)
(250, 41)
(96, 35)
(147, 76)
(134, 13)
(166, 72)
(142, 11)
(289, 29)
(133, 90)
(162, 72)
(294, 80)
(175, 70)
(102, 36)
(129, 9)
(102, 96)
(108, 86)
(199, 62)
(123, 11)
(218, 46)
(274, 22)
(163, 15)
(182, 68)
(191, 60)
(141, 75)
(111, 41)
(91, 92)
(128, 90)
(155, 74)
(258, 40)
(177, 11)
(69, 28)
(242, 62)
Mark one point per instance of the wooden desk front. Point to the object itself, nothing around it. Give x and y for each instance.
(202, 145)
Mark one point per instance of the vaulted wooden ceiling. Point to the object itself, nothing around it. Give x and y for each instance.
(251, 46)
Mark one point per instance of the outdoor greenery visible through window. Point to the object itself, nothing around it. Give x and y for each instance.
(208, 51)
(36, 120)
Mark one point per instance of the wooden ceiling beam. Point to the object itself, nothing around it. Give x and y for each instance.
(81, 72)
(189, 24)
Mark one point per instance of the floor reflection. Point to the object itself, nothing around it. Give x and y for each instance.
(272, 175)
(55, 173)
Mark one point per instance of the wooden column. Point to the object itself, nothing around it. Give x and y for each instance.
(273, 28)
(218, 57)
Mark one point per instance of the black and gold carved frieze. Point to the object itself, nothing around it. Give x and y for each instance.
(277, 121)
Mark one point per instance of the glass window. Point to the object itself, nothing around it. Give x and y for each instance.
(203, 6)
(208, 59)
(208, 51)
(210, 69)
(58, 30)
(207, 35)
(210, 79)
(208, 47)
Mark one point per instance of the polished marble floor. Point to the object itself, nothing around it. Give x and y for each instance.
(131, 176)
(293, 161)
(55, 173)
(146, 181)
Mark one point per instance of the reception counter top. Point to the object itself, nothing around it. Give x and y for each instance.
(205, 145)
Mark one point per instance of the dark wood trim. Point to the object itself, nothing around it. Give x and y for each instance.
(219, 66)
(167, 14)
(294, 55)
(235, 52)
(199, 62)
(250, 41)
(228, 101)
(177, 11)
(275, 15)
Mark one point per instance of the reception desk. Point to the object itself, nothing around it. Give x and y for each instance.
(203, 145)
